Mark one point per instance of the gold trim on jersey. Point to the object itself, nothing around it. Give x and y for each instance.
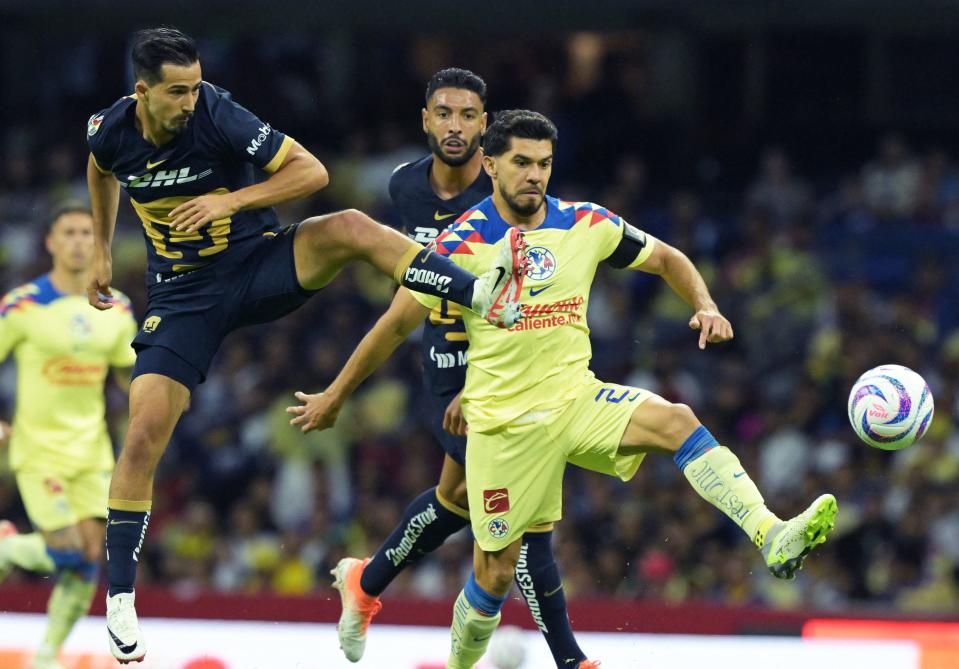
(446, 313)
(155, 216)
(280, 156)
(97, 165)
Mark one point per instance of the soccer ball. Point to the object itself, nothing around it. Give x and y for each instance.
(508, 648)
(890, 407)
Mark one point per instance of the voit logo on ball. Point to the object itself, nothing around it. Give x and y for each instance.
(542, 263)
(498, 528)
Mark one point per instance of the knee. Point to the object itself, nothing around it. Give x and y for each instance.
(679, 422)
(496, 576)
(144, 443)
(456, 493)
(347, 229)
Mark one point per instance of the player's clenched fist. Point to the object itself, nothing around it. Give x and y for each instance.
(454, 421)
(317, 412)
(712, 325)
(98, 290)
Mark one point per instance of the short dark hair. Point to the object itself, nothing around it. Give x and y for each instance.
(456, 77)
(67, 207)
(521, 123)
(152, 47)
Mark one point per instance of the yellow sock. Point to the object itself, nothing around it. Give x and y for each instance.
(27, 551)
(69, 601)
(470, 634)
(720, 479)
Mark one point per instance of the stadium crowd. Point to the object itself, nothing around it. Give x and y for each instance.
(824, 272)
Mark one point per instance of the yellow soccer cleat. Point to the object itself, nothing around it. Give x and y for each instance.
(799, 535)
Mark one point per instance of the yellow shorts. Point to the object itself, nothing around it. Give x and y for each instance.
(514, 475)
(55, 501)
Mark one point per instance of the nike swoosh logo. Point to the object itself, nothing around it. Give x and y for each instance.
(123, 649)
(124, 522)
(552, 592)
(437, 216)
(500, 277)
(738, 474)
(150, 165)
(479, 639)
(429, 251)
(533, 292)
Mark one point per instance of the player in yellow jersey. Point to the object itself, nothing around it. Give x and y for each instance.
(59, 448)
(532, 403)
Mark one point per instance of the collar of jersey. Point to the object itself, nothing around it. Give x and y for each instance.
(554, 217)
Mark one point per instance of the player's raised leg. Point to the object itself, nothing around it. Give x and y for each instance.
(716, 474)
(156, 403)
(325, 244)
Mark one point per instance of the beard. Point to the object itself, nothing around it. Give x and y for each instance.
(521, 209)
(437, 149)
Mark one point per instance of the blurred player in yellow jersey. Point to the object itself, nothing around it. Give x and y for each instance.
(533, 405)
(59, 448)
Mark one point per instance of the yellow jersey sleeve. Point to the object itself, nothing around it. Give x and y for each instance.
(609, 231)
(11, 332)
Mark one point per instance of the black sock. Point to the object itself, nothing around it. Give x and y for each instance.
(425, 526)
(125, 532)
(538, 579)
(437, 275)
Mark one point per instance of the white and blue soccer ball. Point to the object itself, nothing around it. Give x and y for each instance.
(890, 407)
(508, 648)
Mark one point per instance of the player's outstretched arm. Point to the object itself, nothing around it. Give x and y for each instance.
(319, 411)
(300, 174)
(104, 201)
(682, 276)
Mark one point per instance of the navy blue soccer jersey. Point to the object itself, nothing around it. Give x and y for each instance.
(424, 215)
(218, 152)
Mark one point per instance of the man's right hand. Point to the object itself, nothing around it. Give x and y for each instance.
(98, 290)
(317, 412)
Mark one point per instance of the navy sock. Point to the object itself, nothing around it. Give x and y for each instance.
(538, 579)
(437, 275)
(125, 532)
(425, 526)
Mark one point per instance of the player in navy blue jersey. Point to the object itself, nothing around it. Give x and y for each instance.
(429, 194)
(188, 156)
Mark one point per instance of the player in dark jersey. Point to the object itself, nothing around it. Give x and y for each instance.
(429, 194)
(187, 155)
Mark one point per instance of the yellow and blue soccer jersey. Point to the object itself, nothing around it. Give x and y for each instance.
(63, 350)
(216, 153)
(541, 363)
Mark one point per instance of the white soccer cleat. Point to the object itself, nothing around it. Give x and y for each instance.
(358, 607)
(7, 529)
(799, 535)
(496, 293)
(126, 641)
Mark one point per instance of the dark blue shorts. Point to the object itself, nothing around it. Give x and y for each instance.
(454, 446)
(189, 313)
